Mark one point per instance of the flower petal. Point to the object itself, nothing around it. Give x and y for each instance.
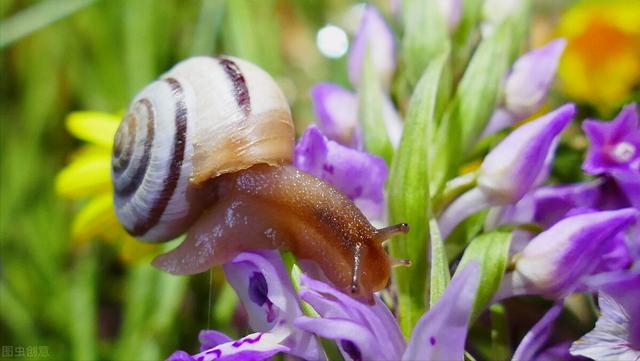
(266, 292)
(357, 174)
(513, 166)
(212, 338)
(530, 78)
(615, 145)
(332, 304)
(88, 174)
(373, 36)
(556, 260)
(93, 127)
(441, 332)
(257, 346)
(538, 335)
(336, 110)
(609, 340)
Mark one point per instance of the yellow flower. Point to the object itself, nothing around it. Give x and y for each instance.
(601, 64)
(88, 177)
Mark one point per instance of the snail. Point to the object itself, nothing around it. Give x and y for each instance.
(206, 150)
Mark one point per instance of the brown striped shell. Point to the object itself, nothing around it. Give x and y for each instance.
(203, 118)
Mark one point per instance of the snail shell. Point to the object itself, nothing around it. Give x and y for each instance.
(169, 145)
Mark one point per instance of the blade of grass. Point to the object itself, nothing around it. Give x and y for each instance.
(409, 196)
(37, 17)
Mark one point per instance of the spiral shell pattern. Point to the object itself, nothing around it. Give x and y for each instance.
(205, 117)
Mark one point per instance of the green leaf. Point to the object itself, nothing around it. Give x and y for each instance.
(83, 300)
(440, 275)
(376, 139)
(37, 17)
(499, 333)
(409, 196)
(426, 35)
(492, 251)
(139, 43)
(208, 27)
(471, 107)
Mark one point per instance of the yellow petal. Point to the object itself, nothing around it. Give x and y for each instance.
(94, 127)
(133, 250)
(94, 219)
(89, 173)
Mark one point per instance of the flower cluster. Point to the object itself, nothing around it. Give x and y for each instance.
(515, 231)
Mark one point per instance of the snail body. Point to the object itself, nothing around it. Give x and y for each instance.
(206, 150)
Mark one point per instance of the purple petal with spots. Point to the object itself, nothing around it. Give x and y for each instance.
(374, 36)
(211, 338)
(614, 145)
(441, 333)
(265, 290)
(336, 110)
(537, 336)
(556, 261)
(254, 347)
(369, 331)
(513, 167)
(357, 174)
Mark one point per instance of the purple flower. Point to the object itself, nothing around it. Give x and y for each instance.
(612, 338)
(512, 168)
(357, 174)
(615, 145)
(265, 290)
(538, 335)
(526, 86)
(556, 261)
(373, 36)
(515, 166)
(336, 110)
(371, 332)
(554, 202)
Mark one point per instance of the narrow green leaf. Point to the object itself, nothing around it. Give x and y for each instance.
(409, 196)
(207, 28)
(492, 251)
(83, 300)
(467, 34)
(440, 275)
(426, 35)
(472, 106)
(376, 138)
(139, 44)
(499, 333)
(37, 17)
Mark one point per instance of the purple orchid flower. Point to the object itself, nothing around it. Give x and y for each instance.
(371, 332)
(556, 261)
(336, 110)
(526, 86)
(615, 145)
(612, 338)
(373, 36)
(357, 174)
(265, 290)
(515, 166)
(615, 151)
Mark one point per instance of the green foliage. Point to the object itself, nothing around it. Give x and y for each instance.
(409, 195)
(491, 250)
